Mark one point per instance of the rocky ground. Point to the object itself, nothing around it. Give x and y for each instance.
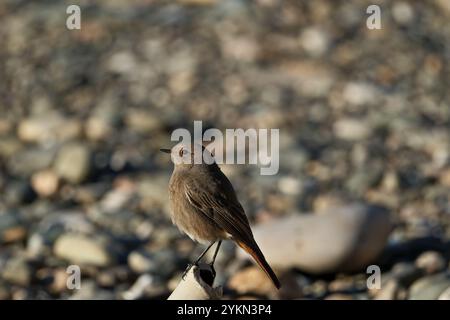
(363, 115)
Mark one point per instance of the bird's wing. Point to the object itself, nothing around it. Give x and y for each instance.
(217, 201)
(220, 206)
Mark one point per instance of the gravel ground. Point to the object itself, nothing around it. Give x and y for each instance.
(363, 115)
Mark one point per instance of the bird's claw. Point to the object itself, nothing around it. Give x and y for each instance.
(213, 271)
(186, 271)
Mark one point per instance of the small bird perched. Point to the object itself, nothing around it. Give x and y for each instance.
(205, 207)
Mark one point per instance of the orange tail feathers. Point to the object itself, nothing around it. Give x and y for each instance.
(256, 254)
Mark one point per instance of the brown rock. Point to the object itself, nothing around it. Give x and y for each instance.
(13, 234)
(97, 128)
(444, 177)
(251, 280)
(444, 6)
(82, 250)
(73, 162)
(431, 262)
(388, 291)
(59, 283)
(342, 284)
(48, 127)
(45, 183)
(339, 296)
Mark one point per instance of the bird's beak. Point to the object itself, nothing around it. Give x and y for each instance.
(165, 150)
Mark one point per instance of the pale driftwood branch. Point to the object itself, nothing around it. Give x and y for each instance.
(197, 285)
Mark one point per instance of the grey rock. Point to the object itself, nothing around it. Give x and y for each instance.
(52, 226)
(151, 190)
(363, 178)
(123, 62)
(405, 273)
(104, 118)
(4, 292)
(73, 162)
(352, 129)
(403, 13)
(142, 121)
(295, 160)
(345, 239)
(357, 93)
(48, 127)
(138, 288)
(162, 262)
(30, 160)
(17, 271)
(429, 288)
(119, 223)
(314, 41)
(11, 227)
(290, 186)
(83, 250)
(116, 199)
(90, 291)
(19, 192)
(9, 147)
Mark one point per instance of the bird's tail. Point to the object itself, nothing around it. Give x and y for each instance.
(255, 252)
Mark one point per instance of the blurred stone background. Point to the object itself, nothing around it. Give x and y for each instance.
(364, 115)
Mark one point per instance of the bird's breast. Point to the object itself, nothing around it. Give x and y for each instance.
(189, 219)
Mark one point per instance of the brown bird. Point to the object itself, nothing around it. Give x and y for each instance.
(205, 207)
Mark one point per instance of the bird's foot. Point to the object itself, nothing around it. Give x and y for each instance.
(187, 270)
(211, 265)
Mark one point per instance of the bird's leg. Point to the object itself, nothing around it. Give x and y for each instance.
(215, 253)
(203, 253)
(196, 261)
(214, 256)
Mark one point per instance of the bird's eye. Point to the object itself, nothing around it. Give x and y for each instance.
(182, 152)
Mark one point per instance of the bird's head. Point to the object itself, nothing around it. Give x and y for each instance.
(187, 155)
